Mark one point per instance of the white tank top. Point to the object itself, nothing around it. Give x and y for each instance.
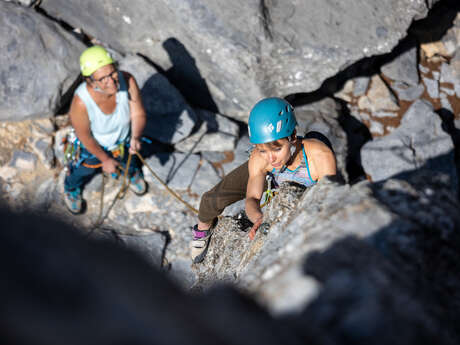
(109, 130)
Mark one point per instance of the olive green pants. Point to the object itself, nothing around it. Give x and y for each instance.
(230, 189)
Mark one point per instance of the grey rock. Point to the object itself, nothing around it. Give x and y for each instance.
(43, 127)
(23, 160)
(406, 92)
(182, 273)
(235, 209)
(346, 91)
(376, 128)
(216, 133)
(385, 114)
(94, 185)
(205, 178)
(46, 195)
(40, 71)
(423, 69)
(432, 86)
(7, 173)
(446, 91)
(445, 103)
(451, 74)
(213, 156)
(43, 147)
(149, 246)
(418, 143)
(25, 2)
(378, 97)
(169, 118)
(175, 169)
(265, 50)
(240, 155)
(305, 257)
(403, 68)
(361, 85)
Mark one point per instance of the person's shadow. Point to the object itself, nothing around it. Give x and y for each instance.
(185, 75)
(164, 117)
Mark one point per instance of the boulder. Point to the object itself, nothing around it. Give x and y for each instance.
(39, 63)
(418, 143)
(407, 92)
(216, 133)
(169, 117)
(403, 68)
(242, 51)
(403, 237)
(379, 97)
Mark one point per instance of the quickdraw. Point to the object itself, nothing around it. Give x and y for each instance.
(268, 195)
(73, 153)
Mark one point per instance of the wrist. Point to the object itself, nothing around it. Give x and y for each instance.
(256, 218)
(105, 158)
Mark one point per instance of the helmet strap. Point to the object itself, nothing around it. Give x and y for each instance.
(292, 150)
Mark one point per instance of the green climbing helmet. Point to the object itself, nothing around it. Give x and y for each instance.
(94, 58)
(271, 119)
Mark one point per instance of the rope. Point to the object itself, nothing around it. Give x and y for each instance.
(124, 187)
(269, 193)
(190, 207)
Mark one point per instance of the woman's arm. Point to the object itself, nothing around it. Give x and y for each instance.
(80, 122)
(255, 188)
(137, 113)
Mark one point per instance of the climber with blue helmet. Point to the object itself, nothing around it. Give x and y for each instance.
(107, 116)
(277, 153)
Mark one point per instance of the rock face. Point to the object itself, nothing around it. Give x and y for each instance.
(169, 117)
(319, 252)
(338, 263)
(39, 63)
(419, 142)
(244, 49)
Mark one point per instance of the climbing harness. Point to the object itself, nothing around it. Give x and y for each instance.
(75, 156)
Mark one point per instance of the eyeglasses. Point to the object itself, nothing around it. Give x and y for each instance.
(113, 75)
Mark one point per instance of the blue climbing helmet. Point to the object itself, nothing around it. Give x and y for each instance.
(271, 119)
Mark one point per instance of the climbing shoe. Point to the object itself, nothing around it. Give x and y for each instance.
(73, 200)
(200, 243)
(137, 184)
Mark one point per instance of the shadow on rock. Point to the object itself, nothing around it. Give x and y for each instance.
(186, 76)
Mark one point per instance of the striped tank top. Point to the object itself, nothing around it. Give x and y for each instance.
(300, 175)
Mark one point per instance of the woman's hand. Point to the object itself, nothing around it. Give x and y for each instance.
(134, 145)
(109, 165)
(252, 232)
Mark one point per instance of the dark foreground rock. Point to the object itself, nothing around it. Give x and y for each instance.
(391, 280)
(352, 259)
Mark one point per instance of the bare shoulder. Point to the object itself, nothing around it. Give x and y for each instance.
(322, 157)
(315, 146)
(78, 107)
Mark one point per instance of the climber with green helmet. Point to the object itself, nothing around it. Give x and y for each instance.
(277, 153)
(107, 116)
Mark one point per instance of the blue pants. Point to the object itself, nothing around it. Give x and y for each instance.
(79, 175)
